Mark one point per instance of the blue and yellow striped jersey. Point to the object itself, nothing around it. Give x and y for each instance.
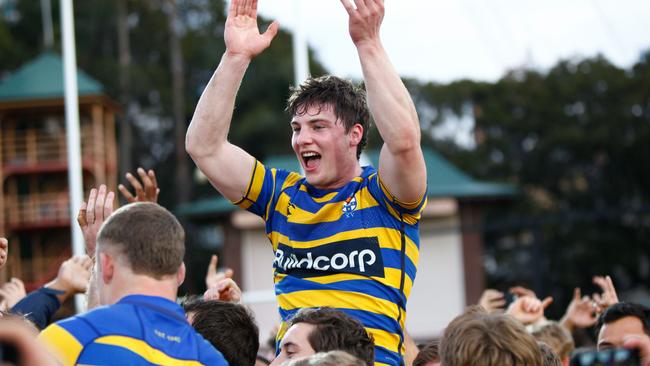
(354, 249)
(138, 330)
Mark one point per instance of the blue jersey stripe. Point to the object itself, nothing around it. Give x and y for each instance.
(386, 356)
(367, 318)
(371, 219)
(365, 286)
(82, 330)
(104, 354)
(392, 259)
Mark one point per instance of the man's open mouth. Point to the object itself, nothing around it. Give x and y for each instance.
(310, 159)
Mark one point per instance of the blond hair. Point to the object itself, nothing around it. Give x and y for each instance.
(556, 337)
(477, 338)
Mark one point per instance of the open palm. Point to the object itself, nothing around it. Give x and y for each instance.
(241, 34)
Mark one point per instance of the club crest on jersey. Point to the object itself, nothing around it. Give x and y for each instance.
(349, 206)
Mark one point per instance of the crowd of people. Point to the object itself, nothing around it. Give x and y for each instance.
(345, 239)
(135, 316)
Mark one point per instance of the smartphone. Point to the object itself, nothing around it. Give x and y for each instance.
(510, 298)
(607, 357)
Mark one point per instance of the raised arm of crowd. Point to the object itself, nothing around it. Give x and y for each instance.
(231, 329)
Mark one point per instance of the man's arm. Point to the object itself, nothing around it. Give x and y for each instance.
(41, 305)
(401, 163)
(227, 166)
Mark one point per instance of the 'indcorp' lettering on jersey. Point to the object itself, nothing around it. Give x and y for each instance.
(360, 256)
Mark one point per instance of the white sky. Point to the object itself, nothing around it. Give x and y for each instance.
(436, 40)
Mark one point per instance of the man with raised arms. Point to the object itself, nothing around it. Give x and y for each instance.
(344, 235)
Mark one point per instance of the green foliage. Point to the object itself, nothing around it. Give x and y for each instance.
(575, 140)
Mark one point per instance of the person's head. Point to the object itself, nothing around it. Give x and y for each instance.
(331, 358)
(330, 122)
(557, 337)
(621, 320)
(479, 338)
(141, 240)
(321, 330)
(549, 357)
(429, 355)
(229, 327)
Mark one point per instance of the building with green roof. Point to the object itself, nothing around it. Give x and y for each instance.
(42, 78)
(34, 199)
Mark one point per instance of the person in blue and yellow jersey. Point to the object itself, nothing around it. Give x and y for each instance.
(344, 235)
(138, 268)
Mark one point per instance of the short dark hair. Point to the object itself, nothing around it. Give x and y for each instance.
(229, 327)
(624, 309)
(148, 236)
(429, 353)
(335, 330)
(347, 100)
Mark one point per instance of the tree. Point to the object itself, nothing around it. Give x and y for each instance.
(575, 140)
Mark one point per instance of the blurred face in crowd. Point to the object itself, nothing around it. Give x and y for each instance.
(612, 334)
(295, 343)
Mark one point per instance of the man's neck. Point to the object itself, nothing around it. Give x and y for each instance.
(346, 177)
(166, 287)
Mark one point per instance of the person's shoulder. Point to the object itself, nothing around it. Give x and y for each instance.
(106, 313)
(70, 334)
(101, 321)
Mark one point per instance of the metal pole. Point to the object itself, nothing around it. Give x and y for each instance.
(48, 33)
(300, 49)
(72, 128)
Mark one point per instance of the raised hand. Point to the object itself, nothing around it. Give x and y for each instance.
(582, 312)
(528, 309)
(492, 300)
(242, 35)
(92, 215)
(226, 290)
(12, 292)
(212, 277)
(608, 296)
(4, 251)
(148, 193)
(364, 21)
(73, 276)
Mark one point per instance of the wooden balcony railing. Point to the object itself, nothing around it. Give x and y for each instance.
(37, 209)
(31, 147)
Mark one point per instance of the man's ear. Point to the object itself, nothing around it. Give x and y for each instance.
(107, 266)
(180, 276)
(356, 134)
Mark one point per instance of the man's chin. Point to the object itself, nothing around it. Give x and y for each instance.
(314, 179)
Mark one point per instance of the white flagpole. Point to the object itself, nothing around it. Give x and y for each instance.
(300, 50)
(72, 130)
